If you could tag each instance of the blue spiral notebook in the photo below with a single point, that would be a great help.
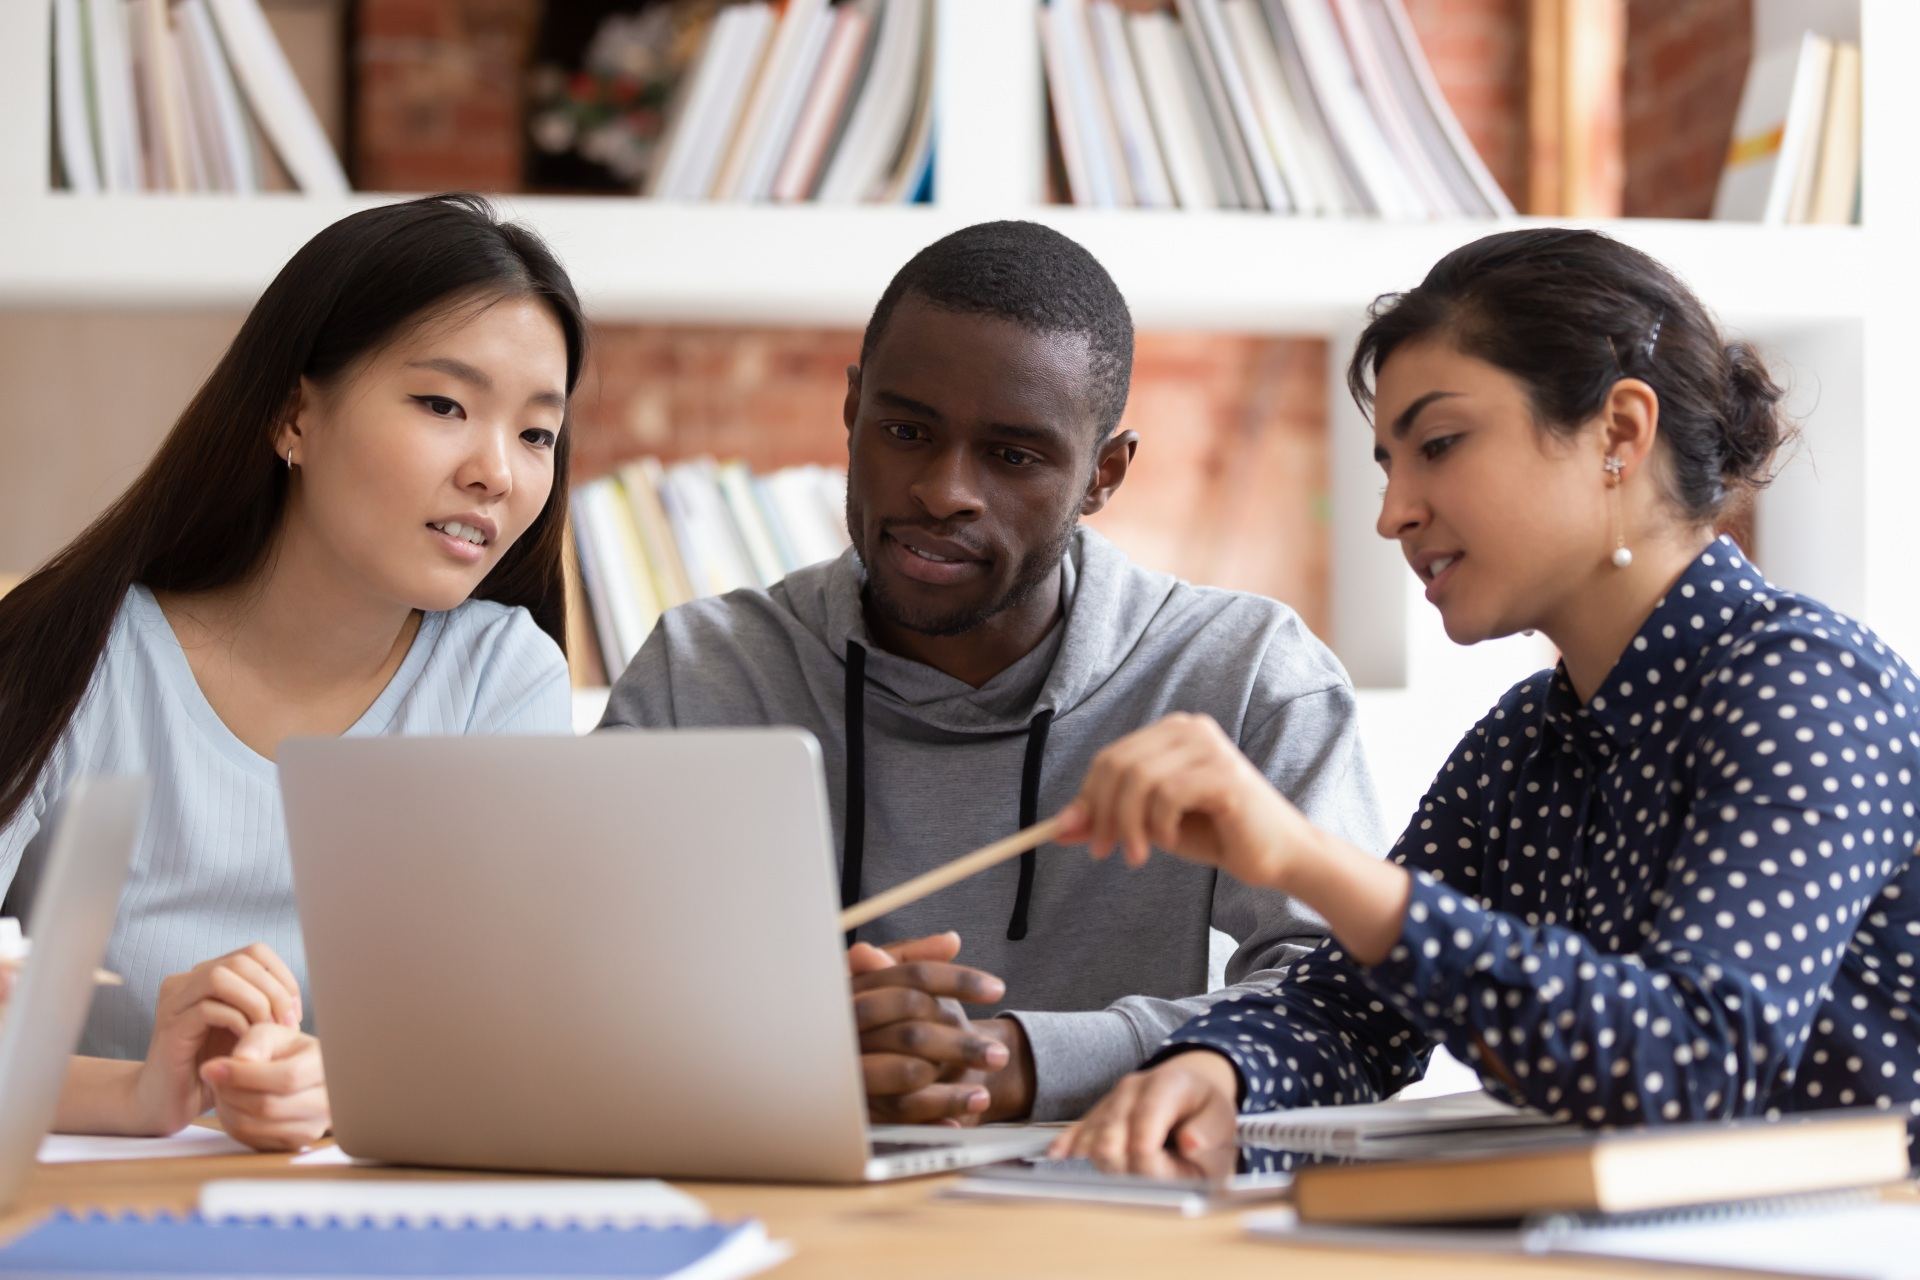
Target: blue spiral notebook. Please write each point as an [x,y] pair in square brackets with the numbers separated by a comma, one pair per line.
[190,1245]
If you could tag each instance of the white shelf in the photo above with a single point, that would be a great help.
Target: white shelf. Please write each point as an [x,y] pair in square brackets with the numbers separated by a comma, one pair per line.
[646,261]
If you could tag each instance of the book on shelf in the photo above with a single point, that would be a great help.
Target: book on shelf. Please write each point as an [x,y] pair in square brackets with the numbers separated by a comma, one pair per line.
[1621,1171]
[707,105]
[1795,154]
[583,648]
[1274,107]
[774,105]
[880,128]
[72,127]
[1146,167]
[1836,179]
[156,70]
[180,96]
[1290,106]
[804,100]
[1196,169]
[821,107]
[653,535]
[1254,176]
[1576,128]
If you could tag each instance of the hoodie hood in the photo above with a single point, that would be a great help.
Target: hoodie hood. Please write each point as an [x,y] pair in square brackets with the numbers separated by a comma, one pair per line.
[1053,677]
[1107,605]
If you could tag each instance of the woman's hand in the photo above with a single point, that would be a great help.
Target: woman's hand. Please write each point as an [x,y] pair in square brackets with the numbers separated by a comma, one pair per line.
[1183,785]
[203,1015]
[1186,1103]
[271,1091]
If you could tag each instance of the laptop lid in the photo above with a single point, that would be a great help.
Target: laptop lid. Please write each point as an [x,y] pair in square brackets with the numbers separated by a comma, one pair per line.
[610,954]
[94,831]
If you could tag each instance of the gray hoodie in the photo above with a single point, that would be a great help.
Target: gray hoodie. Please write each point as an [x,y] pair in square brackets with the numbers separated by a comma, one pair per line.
[1101,963]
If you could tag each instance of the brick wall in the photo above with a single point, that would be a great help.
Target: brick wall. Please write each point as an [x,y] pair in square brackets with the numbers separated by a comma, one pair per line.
[1686,63]
[440,85]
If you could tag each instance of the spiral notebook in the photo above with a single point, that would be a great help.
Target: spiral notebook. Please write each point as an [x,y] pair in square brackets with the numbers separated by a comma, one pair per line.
[1396,1129]
[316,1230]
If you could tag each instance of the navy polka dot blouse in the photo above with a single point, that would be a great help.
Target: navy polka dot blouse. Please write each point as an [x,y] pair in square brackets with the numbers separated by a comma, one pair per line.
[1695,896]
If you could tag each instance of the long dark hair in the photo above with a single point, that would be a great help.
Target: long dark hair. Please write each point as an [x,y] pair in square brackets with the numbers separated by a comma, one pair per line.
[1569,313]
[204,512]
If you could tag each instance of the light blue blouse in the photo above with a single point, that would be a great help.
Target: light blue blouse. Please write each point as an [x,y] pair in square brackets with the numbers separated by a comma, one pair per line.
[211,871]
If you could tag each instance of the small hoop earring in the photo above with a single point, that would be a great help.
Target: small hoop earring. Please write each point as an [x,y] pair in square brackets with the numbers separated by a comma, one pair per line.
[289,457]
[1622,556]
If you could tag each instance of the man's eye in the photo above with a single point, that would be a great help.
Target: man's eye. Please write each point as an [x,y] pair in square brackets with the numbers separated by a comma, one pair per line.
[904,431]
[1018,457]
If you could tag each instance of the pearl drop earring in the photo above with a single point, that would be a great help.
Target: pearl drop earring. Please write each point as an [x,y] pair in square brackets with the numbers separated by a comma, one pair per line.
[1622,557]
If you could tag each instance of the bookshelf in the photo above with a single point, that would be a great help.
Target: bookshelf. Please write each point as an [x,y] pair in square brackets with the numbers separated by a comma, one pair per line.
[1832,304]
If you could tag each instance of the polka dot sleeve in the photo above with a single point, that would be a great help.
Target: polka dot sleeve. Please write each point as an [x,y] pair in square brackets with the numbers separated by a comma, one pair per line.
[1782,849]
[1693,895]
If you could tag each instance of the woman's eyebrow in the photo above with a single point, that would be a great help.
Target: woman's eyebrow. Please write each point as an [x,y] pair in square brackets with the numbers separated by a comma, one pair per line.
[1404,423]
[455,369]
[478,378]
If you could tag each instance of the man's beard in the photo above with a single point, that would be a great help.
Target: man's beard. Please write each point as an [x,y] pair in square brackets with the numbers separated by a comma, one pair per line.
[1034,570]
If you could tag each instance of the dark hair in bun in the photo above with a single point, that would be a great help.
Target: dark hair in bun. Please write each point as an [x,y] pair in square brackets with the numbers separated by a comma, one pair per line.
[1569,313]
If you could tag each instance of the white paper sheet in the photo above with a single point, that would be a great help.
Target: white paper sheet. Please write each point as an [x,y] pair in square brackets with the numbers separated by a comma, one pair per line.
[194,1140]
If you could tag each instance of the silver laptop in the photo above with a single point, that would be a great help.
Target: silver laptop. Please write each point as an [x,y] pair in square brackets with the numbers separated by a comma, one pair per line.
[94,830]
[612,954]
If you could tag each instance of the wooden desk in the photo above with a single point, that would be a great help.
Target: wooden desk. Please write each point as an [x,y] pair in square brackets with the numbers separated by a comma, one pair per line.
[899,1231]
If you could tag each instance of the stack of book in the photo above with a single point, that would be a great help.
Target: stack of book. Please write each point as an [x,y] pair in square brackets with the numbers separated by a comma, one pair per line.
[824,102]
[1807,1194]
[652,536]
[1298,106]
[180,95]
[1795,155]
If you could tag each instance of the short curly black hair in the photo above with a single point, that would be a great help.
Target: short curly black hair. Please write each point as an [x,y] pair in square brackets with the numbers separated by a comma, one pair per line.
[1035,277]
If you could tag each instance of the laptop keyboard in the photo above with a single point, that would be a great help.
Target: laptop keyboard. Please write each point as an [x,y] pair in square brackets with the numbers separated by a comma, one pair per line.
[881,1150]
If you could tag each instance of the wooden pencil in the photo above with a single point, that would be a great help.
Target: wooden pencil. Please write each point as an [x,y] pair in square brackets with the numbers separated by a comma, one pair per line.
[951,873]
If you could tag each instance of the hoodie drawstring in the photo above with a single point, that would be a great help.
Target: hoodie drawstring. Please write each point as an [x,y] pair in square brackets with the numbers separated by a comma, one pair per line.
[854,843]
[1029,810]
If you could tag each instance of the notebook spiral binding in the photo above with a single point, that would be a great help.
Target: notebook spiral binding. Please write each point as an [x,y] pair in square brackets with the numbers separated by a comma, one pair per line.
[1550,1227]
[370,1222]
